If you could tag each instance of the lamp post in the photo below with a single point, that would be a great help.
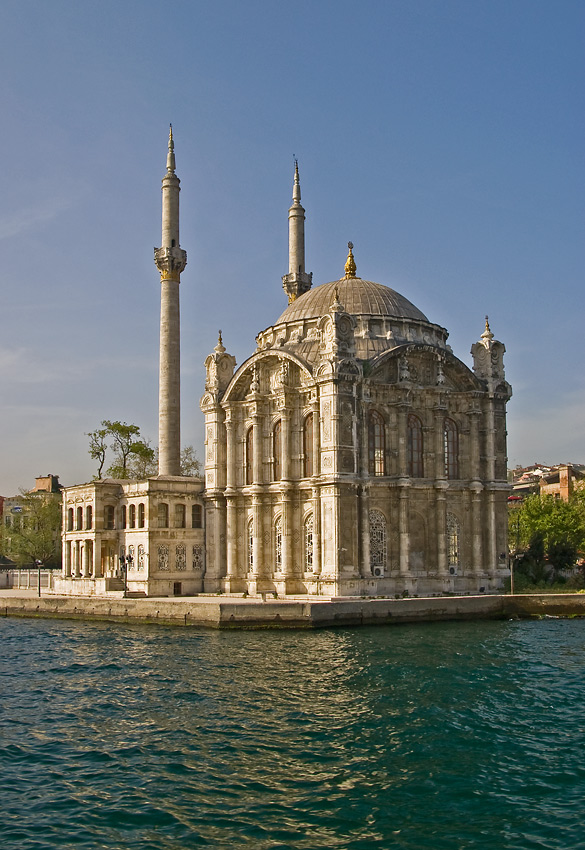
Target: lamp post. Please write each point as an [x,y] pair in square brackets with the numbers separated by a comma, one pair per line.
[38,565]
[126,562]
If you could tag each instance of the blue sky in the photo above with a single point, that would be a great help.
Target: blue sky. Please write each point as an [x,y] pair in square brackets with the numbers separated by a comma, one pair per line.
[445,138]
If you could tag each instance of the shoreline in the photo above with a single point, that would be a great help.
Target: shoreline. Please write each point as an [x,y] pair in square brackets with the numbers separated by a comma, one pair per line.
[298,613]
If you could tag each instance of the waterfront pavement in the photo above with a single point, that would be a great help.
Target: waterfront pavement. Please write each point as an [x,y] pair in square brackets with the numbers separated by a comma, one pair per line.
[225,612]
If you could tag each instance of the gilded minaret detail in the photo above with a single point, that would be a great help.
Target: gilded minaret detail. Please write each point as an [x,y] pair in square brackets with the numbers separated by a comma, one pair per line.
[297,281]
[170,260]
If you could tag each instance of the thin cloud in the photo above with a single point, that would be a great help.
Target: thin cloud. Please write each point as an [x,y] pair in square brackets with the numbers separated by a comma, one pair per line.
[30,217]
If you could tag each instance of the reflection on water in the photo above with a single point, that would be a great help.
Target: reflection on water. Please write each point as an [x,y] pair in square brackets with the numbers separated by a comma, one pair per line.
[448,735]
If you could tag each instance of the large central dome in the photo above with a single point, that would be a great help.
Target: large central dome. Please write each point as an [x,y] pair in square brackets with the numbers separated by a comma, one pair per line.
[358,297]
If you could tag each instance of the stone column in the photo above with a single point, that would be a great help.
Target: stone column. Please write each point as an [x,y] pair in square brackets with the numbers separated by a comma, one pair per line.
[403,525]
[316,531]
[67,559]
[441,520]
[232,532]
[86,562]
[77,550]
[97,558]
[476,529]
[287,551]
[257,437]
[365,567]
[285,458]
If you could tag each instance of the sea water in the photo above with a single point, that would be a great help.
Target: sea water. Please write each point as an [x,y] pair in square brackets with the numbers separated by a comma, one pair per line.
[444,735]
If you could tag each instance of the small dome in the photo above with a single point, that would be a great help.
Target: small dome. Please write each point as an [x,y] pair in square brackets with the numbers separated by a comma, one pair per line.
[358,297]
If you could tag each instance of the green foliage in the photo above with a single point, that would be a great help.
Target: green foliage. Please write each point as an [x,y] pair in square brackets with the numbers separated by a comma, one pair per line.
[35,534]
[555,520]
[133,457]
[190,465]
[547,535]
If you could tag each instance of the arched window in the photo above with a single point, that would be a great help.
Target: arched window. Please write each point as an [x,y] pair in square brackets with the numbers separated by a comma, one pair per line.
[377,542]
[251,545]
[109,517]
[309,543]
[308,459]
[250,456]
[376,444]
[277,450]
[415,447]
[453,539]
[196,516]
[70,519]
[79,524]
[180,521]
[278,544]
[163,515]
[141,515]
[89,516]
[123,516]
[132,516]
[451,443]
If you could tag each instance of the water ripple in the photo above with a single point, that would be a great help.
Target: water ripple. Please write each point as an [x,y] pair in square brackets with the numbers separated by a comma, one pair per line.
[437,736]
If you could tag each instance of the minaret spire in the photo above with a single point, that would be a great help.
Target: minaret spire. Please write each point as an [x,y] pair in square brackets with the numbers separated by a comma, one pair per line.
[297,281]
[170,260]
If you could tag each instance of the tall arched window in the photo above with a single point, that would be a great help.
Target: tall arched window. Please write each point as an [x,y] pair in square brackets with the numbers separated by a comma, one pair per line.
[109,517]
[377,542]
[453,539]
[278,544]
[132,516]
[308,459]
[123,516]
[415,447]
[309,543]
[376,444]
[89,516]
[277,450]
[163,515]
[250,456]
[196,516]
[79,524]
[180,521]
[141,515]
[451,443]
[70,519]
[251,545]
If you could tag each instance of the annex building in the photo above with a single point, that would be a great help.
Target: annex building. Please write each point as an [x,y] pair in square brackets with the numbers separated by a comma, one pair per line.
[352,454]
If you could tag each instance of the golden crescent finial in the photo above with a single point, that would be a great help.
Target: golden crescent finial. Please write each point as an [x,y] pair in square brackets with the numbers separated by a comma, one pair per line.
[350,266]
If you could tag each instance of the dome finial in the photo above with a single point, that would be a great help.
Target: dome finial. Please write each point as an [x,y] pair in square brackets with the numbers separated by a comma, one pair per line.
[487,334]
[350,266]
[220,348]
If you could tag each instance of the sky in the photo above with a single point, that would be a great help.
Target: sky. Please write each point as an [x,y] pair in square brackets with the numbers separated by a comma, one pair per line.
[444,138]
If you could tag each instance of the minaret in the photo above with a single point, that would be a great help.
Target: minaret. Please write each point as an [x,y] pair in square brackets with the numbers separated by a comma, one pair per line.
[170,260]
[297,280]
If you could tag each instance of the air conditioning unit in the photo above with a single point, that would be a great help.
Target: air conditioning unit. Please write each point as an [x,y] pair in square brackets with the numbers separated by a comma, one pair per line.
[378,572]
[453,571]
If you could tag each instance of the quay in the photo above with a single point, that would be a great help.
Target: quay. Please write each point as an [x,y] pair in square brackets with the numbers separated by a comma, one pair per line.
[237,612]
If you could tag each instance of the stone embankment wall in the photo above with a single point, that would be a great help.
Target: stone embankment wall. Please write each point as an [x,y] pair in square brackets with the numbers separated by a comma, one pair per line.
[222,613]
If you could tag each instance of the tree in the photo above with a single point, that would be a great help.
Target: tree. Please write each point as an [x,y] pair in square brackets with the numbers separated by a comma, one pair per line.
[35,534]
[550,531]
[98,447]
[190,464]
[126,441]
[134,458]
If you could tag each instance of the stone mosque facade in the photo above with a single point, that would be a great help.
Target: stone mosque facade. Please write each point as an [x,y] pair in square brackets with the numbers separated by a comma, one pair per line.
[353,454]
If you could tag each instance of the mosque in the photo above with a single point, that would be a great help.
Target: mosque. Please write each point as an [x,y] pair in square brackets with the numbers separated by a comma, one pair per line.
[352,454]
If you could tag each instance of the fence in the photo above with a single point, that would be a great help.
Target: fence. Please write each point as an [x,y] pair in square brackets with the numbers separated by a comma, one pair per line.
[28,578]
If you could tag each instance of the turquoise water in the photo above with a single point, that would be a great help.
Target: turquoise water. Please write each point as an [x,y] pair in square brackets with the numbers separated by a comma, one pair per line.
[449,735]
